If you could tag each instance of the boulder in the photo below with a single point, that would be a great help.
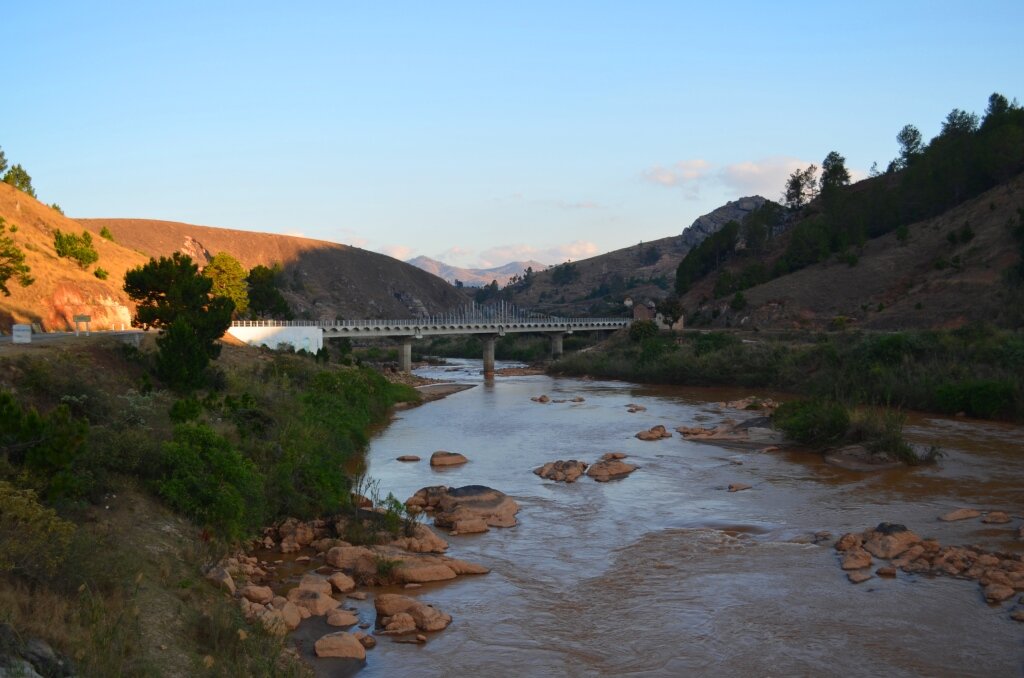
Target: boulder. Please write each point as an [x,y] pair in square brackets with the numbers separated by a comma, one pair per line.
[357,559]
[997,593]
[860,458]
[1017,614]
[415,571]
[429,618]
[219,576]
[342,645]
[315,602]
[423,540]
[737,487]
[470,526]
[849,541]
[340,617]
[889,540]
[655,433]
[316,582]
[609,456]
[367,641]
[610,469]
[442,458]
[960,514]
[886,571]
[392,610]
[390,604]
[398,624]
[291,615]
[451,505]
[996,518]
[257,594]
[562,471]
[341,582]
[541,399]
[858,576]
[856,559]
[633,408]
[408,457]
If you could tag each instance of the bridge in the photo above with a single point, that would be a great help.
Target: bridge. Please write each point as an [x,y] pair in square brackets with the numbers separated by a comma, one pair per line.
[490,321]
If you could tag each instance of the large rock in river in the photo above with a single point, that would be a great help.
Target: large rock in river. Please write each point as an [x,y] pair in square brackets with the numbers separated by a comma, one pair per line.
[889,540]
[609,469]
[442,458]
[468,503]
[343,645]
[562,471]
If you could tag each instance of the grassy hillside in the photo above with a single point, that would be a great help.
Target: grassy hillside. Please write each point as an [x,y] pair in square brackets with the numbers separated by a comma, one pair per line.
[324,280]
[62,289]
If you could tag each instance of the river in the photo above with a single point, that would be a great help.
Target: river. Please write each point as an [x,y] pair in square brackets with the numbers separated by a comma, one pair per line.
[665,573]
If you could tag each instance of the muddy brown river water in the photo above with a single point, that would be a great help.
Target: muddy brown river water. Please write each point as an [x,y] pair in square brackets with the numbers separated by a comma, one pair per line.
[665,573]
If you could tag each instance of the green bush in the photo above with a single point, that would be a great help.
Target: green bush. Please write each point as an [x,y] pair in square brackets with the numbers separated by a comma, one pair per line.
[106,234]
[182,359]
[35,540]
[985,398]
[642,329]
[211,482]
[78,248]
[185,410]
[101,273]
[813,422]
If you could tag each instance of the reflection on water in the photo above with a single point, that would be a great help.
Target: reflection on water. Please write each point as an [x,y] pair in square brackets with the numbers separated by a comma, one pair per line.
[664,572]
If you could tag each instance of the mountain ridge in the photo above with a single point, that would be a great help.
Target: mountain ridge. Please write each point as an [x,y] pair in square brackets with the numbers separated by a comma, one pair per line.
[474,277]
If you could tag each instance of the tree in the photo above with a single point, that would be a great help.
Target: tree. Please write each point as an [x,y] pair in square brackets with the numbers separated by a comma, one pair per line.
[12,262]
[998,106]
[833,172]
[265,297]
[229,280]
[78,248]
[20,179]
[3,161]
[801,187]
[958,122]
[911,145]
[171,295]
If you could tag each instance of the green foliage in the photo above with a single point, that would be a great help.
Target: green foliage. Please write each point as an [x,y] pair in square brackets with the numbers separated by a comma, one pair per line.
[171,295]
[564,274]
[56,208]
[20,179]
[801,187]
[12,261]
[78,248]
[229,280]
[106,234]
[210,481]
[642,329]
[185,410]
[265,299]
[902,234]
[101,273]
[3,162]
[985,398]
[739,302]
[880,430]
[812,422]
[35,540]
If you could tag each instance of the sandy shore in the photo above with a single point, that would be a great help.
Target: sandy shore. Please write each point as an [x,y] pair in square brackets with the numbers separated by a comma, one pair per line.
[437,391]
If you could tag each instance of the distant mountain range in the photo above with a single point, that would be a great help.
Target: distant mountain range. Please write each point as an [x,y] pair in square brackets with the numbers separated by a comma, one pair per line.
[475,277]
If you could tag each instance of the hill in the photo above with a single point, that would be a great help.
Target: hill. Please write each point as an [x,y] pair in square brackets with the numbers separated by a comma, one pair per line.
[598,285]
[475,277]
[323,280]
[62,289]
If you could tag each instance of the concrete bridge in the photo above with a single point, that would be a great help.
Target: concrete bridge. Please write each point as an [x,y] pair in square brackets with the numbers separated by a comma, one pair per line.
[490,322]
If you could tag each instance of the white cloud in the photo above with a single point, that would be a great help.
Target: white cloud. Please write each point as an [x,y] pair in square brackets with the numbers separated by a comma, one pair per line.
[679,173]
[555,254]
[453,255]
[766,176]
[400,252]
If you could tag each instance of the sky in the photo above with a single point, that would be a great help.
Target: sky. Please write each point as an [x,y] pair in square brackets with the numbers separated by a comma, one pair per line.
[475,133]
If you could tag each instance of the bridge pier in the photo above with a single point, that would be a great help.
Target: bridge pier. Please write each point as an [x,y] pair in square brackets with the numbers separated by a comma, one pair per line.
[556,345]
[489,355]
[405,355]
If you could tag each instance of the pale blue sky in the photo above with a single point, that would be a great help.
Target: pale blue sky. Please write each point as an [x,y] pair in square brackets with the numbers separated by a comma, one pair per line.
[516,129]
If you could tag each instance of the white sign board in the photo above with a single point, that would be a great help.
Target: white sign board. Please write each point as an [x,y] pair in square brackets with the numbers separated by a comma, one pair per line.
[21,334]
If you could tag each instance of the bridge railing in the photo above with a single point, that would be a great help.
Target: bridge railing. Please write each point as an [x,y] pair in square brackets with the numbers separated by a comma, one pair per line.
[428,322]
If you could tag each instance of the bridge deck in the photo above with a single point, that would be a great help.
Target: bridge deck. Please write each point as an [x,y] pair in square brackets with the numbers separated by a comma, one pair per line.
[433,326]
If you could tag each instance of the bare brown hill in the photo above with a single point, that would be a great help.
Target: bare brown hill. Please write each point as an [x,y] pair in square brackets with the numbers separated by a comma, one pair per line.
[324,280]
[62,289]
[929,281]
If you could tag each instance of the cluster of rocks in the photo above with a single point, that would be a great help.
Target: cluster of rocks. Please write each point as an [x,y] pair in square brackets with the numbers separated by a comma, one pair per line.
[754,432]
[654,433]
[764,405]
[1001,575]
[465,510]
[633,408]
[544,399]
[30,658]
[609,467]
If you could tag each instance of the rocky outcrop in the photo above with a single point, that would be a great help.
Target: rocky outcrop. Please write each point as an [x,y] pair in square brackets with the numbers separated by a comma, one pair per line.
[610,469]
[408,457]
[562,471]
[422,540]
[764,405]
[960,514]
[655,433]
[450,506]
[756,432]
[712,222]
[342,645]
[860,458]
[442,458]
[543,399]
[398,614]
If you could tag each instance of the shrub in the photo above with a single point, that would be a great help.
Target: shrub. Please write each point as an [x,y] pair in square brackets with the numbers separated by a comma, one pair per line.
[739,302]
[210,481]
[35,540]
[78,248]
[642,329]
[709,342]
[185,409]
[101,273]
[813,422]
[985,398]
[182,359]
[881,431]
[106,234]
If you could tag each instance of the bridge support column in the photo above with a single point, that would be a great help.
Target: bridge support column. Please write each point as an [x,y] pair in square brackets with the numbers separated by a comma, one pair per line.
[405,355]
[489,356]
[556,345]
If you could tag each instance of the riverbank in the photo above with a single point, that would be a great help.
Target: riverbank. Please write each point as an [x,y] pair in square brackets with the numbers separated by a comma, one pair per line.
[976,371]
